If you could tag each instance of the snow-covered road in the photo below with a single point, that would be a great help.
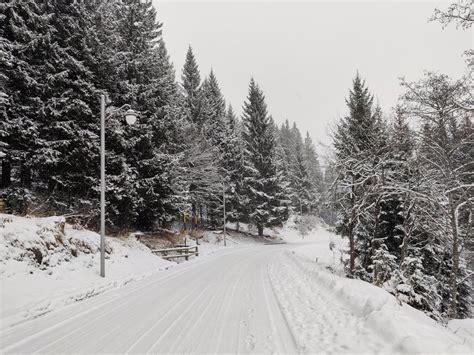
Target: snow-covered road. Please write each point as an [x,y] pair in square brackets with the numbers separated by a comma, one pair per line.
[246,299]
[224,303]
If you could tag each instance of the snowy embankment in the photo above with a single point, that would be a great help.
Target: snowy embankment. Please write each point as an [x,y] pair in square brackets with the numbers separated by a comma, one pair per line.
[46,263]
[320,305]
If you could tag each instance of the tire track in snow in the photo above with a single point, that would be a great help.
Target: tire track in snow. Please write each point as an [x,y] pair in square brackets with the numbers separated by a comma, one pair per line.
[279,307]
[206,311]
[97,307]
[321,323]
[226,307]
[116,309]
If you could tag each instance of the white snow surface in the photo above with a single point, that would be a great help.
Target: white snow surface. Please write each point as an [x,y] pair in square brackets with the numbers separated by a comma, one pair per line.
[246,297]
[29,290]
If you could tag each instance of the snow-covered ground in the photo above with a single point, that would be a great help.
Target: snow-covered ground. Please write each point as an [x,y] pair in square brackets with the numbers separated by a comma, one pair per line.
[69,267]
[343,310]
[246,297]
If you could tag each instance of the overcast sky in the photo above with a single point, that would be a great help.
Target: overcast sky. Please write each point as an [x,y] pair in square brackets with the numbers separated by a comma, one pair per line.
[305,54]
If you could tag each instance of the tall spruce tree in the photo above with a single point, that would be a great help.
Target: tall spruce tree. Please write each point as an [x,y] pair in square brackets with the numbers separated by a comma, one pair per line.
[315,174]
[191,82]
[214,131]
[213,111]
[263,192]
[355,141]
[300,175]
[24,35]
[232,162]
[68,123]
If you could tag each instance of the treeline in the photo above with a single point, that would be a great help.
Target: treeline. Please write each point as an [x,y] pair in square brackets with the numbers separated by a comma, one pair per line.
[403,187]
[188,146]
[403,193]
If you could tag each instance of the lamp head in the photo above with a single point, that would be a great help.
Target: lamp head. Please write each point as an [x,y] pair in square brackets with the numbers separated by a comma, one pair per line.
[130,116]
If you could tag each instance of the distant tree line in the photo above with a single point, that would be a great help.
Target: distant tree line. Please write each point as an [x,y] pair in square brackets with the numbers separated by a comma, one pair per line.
[187,148]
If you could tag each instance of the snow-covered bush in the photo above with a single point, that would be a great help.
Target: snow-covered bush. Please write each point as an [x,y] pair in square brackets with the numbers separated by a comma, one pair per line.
[416,288]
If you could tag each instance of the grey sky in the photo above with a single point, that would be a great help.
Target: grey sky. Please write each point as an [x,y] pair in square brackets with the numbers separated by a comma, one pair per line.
[305,54]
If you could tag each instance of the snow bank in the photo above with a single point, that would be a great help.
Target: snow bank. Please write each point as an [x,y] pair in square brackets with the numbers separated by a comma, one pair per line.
[318,244]
[46,263]
[464,328]
[306,274]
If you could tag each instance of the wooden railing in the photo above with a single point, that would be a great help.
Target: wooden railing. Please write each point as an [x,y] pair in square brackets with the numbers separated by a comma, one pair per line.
[182,252]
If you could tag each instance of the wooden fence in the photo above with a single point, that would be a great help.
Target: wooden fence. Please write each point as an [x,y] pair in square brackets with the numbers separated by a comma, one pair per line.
[178,252]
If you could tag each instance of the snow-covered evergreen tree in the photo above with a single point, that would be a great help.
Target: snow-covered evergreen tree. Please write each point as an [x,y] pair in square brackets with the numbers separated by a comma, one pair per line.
[315,174]
[191,82]
[213,110]
[24,35]
[301,182]
[263,191]
[232,152]
[355,142]
[445,159]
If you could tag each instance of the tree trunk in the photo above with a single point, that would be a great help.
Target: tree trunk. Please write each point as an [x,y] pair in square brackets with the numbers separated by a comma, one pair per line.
[351,231]
[454,285]
[25,175]
[200,215]
[407,229]
[6,173]
[260,230]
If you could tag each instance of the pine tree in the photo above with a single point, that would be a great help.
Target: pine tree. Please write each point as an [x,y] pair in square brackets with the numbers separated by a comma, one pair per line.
[232,163]
[300,176]
[214,131]
[355,141]
[67,120]
[191,79]
[213,111]
[315,174]
[24,35]
[149,75]
[285,159]
[261,178]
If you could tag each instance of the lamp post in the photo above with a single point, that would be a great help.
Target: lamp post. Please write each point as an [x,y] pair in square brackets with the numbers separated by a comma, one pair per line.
[130,118]
[223,198]
[225,214]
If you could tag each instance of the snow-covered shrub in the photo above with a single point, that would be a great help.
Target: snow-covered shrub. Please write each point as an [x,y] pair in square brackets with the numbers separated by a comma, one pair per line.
[415,287]
[19,200]
[383,265]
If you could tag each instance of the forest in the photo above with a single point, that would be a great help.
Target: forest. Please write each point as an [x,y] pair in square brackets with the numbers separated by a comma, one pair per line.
[397,184]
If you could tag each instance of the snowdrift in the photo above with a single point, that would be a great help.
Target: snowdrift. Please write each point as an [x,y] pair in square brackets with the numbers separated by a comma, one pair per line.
[408,329]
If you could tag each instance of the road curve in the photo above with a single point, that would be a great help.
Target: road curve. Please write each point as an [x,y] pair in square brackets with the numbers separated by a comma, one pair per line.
[224,303]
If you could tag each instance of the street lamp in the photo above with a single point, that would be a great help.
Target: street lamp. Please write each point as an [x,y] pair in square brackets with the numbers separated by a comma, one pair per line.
[223,200]
[225,214]
[130,118]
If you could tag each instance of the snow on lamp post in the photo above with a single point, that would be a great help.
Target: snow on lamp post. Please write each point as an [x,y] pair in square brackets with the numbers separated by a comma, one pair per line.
[130,118]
